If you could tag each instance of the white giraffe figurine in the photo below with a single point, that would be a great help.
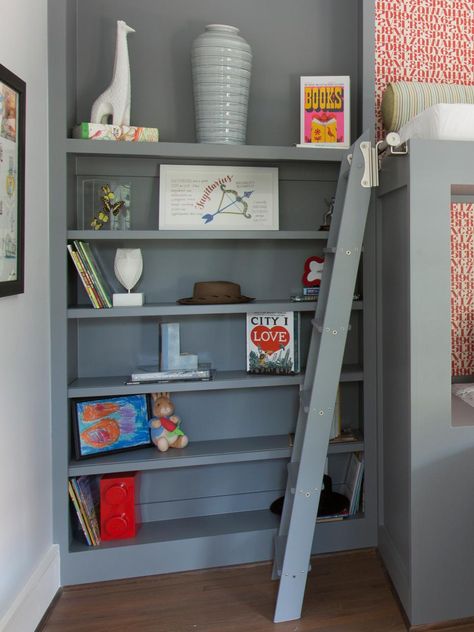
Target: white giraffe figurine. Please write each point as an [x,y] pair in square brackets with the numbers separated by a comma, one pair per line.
[115,100]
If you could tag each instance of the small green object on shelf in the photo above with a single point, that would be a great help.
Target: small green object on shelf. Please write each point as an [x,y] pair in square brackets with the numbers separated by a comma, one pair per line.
[109,205]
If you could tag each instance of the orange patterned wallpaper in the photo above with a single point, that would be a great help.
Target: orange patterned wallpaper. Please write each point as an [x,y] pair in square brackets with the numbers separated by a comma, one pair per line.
[462,288]
[433,41]
[423,40]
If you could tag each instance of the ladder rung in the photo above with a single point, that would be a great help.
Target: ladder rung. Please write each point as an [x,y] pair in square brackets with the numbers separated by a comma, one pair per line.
[335,330]
[318,326]
[293,475]
[305,399]
[280,547]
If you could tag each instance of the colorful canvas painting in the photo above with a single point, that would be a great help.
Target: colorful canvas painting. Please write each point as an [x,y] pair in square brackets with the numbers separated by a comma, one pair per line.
[12,150]
[110,424]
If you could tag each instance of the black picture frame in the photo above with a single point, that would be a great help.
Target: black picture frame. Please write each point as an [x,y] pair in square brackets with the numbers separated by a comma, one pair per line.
[106,425]
[12,179]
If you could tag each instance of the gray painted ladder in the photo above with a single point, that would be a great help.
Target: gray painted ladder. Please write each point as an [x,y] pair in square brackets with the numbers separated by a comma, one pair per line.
[318,395]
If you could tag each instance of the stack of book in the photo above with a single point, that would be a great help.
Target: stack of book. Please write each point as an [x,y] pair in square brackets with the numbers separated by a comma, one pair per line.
[97,288]
[307,294]
[100,131]
[351,488]
[84,494]
[352,485]
[146,374]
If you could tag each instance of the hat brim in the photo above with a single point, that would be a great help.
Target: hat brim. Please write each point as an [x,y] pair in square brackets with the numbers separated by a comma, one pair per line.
[215,300]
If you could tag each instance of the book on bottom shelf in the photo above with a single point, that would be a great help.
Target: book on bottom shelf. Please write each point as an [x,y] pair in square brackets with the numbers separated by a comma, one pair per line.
[273,343]
[80,520]
[84,493]
[336,425]
[352,484]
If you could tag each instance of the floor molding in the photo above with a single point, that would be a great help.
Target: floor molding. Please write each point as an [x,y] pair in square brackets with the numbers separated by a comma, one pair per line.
[32,602]
[462,624]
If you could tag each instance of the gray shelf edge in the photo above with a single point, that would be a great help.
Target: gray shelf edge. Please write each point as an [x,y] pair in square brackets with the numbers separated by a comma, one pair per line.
[224,451]
[174,309]
[143,235]
[203,151]
[202,527]
[124,462]
[189,529]
[148,535]
[347,447]
[224,380]
[119,385]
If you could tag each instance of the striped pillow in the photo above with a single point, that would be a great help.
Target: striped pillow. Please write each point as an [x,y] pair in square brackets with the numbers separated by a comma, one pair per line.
[403,100]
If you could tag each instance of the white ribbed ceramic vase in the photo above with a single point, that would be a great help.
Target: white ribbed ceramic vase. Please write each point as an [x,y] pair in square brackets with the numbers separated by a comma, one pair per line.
[221,65]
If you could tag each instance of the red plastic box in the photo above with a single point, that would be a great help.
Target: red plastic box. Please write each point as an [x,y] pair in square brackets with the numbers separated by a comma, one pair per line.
[117,506]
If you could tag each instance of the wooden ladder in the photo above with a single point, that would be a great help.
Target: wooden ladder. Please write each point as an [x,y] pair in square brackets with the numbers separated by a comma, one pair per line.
[318,394]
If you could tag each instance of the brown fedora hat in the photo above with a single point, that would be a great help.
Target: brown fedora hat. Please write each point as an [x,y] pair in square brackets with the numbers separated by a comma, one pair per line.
[215,292]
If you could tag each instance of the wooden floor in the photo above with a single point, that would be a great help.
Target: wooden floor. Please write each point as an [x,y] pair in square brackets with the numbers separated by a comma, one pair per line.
[346,592]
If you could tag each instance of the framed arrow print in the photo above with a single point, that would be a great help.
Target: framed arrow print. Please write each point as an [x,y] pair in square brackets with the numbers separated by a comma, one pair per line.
[199,197]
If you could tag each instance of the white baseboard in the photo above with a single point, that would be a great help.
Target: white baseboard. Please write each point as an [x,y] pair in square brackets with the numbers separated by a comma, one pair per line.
[33,600]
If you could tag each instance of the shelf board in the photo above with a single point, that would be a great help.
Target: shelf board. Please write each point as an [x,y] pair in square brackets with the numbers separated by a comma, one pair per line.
[218,451]
[201,527]
[163,531]
[344,447]
[175,309]
[203,151]
[143,235]
[119,385]
[198,453]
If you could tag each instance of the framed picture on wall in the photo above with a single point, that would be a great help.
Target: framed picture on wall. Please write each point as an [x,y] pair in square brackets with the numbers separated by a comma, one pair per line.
[12,182]
[110,424]
[325,112]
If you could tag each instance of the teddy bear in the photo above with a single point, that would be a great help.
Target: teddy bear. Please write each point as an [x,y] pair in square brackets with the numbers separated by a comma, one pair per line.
[164,425]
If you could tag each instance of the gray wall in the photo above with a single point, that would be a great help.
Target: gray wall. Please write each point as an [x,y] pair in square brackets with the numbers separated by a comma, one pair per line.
[25,449]
[306,38]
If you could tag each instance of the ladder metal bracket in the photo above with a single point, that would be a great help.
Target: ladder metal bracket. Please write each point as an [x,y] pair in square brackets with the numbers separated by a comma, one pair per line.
[344,249]
[371,165]
[334,331]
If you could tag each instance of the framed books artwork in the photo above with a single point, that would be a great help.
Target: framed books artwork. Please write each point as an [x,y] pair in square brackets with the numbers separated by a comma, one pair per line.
[110,424]
[198,197]
[325,112]
[12,182]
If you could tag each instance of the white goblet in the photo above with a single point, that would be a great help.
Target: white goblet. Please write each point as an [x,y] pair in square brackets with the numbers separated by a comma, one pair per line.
[128,268]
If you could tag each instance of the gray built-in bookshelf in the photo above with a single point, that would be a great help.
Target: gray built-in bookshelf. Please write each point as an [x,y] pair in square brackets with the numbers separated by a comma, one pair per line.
[207,505]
